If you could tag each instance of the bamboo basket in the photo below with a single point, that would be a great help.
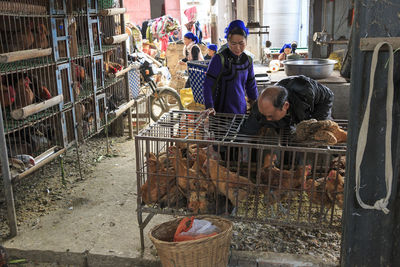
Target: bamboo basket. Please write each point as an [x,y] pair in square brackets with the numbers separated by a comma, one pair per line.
[205,252]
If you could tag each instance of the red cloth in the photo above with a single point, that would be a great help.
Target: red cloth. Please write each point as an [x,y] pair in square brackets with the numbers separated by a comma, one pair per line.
[191,13]
[164,43]
[205,31]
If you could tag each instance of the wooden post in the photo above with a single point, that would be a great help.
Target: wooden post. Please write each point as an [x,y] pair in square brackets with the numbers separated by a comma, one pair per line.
[127,91]
[371,237]
[315,22]
[8,191]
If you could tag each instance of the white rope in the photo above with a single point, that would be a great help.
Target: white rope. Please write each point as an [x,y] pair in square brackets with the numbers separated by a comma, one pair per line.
[380,204]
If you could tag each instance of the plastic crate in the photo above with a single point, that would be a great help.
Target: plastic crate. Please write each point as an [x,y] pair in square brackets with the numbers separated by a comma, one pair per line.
[134,83]
[197,73]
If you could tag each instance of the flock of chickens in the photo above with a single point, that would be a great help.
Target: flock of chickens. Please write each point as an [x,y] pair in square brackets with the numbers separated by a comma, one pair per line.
[192,177]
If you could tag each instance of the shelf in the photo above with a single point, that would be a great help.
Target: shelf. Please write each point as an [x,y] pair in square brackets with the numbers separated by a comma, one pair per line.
[111,81]
[83,51]
[106,48]
[25,65]
[11,125]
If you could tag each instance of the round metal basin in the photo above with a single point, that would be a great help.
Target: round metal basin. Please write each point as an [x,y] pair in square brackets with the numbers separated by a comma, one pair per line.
[315,68]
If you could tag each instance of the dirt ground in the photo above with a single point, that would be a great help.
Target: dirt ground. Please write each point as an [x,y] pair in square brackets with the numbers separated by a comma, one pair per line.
[44,203]
[45,191]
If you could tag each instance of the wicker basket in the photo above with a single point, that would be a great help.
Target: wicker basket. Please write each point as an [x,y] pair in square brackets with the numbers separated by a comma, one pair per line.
[205,252]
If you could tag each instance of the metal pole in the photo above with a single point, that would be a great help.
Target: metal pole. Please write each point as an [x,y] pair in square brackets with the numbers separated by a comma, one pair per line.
[125,57]
[8,191]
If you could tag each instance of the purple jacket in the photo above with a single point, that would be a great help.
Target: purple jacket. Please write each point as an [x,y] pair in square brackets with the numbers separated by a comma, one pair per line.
[236,82]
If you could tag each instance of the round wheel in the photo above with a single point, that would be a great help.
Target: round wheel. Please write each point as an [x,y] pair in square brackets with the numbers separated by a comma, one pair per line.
[164,101]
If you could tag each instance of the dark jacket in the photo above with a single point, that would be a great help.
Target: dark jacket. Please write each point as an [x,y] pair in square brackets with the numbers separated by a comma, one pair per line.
[307,99]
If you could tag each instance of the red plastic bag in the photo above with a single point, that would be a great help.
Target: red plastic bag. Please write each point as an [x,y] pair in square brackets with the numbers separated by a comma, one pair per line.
[184,226]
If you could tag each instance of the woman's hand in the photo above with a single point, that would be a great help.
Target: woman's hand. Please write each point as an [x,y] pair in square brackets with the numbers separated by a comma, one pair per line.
[182,63]
[207,112]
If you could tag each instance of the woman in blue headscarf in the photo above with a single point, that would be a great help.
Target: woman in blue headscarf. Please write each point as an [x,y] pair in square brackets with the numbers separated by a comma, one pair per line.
[285,50]
[191,50]
[211,50]
[230,74]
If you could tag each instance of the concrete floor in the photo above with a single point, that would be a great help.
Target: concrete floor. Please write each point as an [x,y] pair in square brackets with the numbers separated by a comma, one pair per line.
[100,226]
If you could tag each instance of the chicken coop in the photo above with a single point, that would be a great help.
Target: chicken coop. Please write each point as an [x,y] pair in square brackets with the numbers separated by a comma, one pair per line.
[188,163]
[64,78]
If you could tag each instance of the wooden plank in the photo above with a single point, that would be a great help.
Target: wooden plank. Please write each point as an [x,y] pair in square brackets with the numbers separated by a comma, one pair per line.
[121,72]
[116,39]
[39,165]
[24,54]
[368,44]
[24,112]
[112,11]
[121,109]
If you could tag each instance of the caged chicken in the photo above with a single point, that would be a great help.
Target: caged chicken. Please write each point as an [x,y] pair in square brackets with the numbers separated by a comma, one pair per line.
[160,180]
[326,191]
[197,188]
[279,182]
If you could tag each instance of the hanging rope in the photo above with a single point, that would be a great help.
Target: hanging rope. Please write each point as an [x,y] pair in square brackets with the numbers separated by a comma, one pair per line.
[380,204]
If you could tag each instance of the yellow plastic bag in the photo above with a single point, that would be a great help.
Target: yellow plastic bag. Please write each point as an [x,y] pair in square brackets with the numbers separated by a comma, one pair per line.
[188,100]
[186,96]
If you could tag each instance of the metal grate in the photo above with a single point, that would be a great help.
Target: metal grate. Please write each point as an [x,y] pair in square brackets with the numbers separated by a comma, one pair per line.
[190,164]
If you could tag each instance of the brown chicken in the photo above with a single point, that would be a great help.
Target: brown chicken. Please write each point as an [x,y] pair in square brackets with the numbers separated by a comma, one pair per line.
[78,72]
[159,180]
[280,182]
[339,164]
[198,202]
[24,95]
[230,184]
[335,188]
[7,95]
[40,36]
[326,191]
[196,181]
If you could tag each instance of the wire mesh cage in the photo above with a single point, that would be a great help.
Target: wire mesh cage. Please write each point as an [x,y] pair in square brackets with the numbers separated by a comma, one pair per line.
[190,164]
[197,73]
[141,114]
[28,7]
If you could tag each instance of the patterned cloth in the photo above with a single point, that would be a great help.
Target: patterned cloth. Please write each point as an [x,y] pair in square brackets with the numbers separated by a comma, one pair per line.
[134,83]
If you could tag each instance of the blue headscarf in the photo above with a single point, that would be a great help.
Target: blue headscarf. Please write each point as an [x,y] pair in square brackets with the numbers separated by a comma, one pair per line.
[285,46]
[213,47]
[236,24]
[192,37]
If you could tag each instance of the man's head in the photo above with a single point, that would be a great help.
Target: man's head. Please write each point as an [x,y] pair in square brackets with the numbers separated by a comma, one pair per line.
[273,103]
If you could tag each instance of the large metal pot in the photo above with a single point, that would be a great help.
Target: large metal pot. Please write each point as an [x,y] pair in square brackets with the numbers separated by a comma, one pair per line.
[315,68]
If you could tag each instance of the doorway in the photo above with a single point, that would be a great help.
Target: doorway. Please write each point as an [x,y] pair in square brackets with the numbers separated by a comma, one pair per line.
[157,8]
